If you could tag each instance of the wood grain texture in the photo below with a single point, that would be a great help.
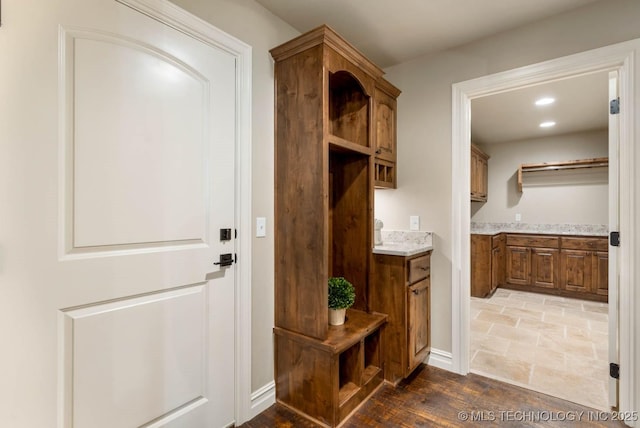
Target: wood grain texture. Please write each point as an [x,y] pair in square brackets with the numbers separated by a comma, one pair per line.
[544,267]
[559,265]
[408,330]
[434,398]
[301,194]
[479,174]
[351,214]
[326,380]
[480,265]
[419,323]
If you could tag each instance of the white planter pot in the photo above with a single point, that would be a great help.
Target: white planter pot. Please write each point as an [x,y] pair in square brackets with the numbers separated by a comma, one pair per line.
[336,316]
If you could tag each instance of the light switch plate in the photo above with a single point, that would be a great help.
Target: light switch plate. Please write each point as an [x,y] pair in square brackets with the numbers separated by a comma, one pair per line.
[414,222]
[518,217]
[261,227]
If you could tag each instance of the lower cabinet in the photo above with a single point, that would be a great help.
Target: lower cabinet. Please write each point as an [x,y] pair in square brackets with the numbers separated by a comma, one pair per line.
[584,266]
[570,266]
[401,288]
[487,264]
[418,304]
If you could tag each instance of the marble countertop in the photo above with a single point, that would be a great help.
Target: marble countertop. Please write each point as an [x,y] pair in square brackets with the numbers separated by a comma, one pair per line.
[404,243]
[549,229]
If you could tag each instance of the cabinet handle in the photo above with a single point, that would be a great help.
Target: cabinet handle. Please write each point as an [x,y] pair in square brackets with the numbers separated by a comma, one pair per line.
[378,151]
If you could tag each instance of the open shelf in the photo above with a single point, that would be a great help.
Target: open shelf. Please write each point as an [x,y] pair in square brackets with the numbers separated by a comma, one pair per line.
[384,174]
[559,166]
[349,249]
[348,108]
[341,145]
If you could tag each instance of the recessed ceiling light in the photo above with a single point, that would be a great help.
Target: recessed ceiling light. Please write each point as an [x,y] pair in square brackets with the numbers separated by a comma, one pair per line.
[547,124]
[545,101]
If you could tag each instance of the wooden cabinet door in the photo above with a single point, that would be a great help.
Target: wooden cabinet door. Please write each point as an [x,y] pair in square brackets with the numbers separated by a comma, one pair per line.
[481,272]
[518,265]
[544,267]
[576,270]
[600,273]
[496,256]
[474,175]
[482,177]
[385,122]
[418,304]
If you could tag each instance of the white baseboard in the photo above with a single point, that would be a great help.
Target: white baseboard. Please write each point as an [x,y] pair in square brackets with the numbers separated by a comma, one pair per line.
[262,399]
[441,359]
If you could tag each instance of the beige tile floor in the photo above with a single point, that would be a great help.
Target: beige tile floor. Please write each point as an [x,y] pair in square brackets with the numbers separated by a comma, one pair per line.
[549,344]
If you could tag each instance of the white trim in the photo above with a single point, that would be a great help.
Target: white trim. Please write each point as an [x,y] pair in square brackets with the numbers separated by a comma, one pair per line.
[263,398]
[615,57]
[440,359]
[183,21]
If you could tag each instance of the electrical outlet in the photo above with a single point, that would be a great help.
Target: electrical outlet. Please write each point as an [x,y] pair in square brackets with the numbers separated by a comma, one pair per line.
[261,227]
[518,217]
[414,222]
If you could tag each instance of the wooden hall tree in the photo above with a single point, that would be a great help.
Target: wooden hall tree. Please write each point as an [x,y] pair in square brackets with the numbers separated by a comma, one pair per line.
[324,165]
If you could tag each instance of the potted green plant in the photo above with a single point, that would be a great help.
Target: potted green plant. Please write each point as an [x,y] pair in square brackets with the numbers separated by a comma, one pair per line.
[342,294]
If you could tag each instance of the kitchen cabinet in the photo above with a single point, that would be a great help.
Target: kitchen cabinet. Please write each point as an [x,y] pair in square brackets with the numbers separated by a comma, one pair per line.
[385,116]
[401,288]
[325,100]
[570,266]
[584,265]
[479,174]
[532,261]
[488,255]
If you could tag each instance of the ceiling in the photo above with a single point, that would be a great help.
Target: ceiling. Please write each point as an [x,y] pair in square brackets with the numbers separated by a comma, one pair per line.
[581,104]
[390,32]
[393,31]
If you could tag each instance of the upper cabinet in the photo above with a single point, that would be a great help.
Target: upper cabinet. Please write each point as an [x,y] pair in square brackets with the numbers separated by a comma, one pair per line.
[385,138]
[479,174]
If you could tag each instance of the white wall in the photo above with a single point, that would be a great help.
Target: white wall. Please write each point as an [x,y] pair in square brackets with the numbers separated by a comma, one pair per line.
[554,197]
[424,122]
[254,25]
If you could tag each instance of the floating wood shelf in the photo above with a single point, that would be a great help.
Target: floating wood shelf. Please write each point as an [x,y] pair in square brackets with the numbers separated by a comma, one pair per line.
[558,166]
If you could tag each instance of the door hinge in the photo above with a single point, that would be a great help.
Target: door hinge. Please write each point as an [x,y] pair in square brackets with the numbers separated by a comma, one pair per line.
[614,106]
[614,239]
[614,370]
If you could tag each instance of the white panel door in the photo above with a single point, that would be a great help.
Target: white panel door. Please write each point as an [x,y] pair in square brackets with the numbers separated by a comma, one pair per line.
[117,158]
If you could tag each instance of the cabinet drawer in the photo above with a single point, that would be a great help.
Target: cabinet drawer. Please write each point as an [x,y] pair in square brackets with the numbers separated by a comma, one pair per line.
[418,268]
[597,244]
[533,241]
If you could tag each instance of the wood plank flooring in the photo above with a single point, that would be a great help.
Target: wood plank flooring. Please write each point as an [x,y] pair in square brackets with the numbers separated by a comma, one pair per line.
[432,397]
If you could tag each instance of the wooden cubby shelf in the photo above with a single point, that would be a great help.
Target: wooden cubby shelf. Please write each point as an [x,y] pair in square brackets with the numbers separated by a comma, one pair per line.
[560,166]
[350,357]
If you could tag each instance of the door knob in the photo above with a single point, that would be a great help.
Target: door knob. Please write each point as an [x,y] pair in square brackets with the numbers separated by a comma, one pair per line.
[225,260]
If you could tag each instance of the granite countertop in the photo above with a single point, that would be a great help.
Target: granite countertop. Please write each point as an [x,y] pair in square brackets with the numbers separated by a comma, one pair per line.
[404,243]
[548,229]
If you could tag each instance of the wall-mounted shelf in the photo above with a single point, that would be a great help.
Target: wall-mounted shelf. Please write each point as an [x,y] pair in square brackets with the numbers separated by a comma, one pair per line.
[559,166]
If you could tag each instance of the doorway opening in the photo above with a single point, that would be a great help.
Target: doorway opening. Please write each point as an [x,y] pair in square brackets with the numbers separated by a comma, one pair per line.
[613,58]
[539,313]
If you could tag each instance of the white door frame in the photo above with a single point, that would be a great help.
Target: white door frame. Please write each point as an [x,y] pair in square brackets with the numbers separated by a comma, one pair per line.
[176,17]
[618,57]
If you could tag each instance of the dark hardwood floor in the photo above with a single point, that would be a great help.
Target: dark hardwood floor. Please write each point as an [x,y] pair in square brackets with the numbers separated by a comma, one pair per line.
[432,397]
